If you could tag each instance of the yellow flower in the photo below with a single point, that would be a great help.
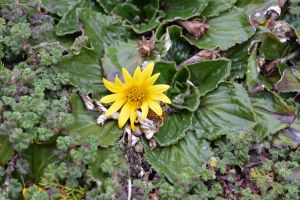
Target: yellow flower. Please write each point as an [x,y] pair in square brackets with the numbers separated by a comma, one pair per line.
[213,161]
[25,191]
[137,92]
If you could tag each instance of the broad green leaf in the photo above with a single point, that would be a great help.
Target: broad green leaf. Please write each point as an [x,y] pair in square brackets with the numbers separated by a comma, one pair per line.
[102,30]
[294,22]
[252,71]
[68,23]
[85,124]
[108,6]
[290,81]
[238,55]
[273,114]
[225,31]
[125,55]
[250,6]
[216,7]
[206,75]
[166,70]
[39,156]
[174,160]
[182,93]
[226,109]
[144,27]
[180,48]
[176,9]
[141,16]
[113,154]
[175,127]
[58,7]
[272,48]
[84,71]
[6,151]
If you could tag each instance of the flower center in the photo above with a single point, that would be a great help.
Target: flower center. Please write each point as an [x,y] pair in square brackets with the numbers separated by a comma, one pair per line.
[135,96]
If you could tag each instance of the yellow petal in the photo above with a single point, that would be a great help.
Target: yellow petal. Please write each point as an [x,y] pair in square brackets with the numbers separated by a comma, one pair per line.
[150,81]
[160,88]
[132,118]
[112,86]
[145,110]
[161,97]
[148,70]
[119,82]
[137,76]
[111,98]
[155,107]
[124,114]
[115,107]
[127,77]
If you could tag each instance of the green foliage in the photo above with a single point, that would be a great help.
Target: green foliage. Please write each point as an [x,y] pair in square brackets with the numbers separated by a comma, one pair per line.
[231,131]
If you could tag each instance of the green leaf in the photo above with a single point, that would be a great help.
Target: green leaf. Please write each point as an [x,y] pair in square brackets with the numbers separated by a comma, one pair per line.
[5,151]
[294,22]
[272,48]
[124,55]
[225,31]
[166,70]
[141,16]
[289,81]
[175,127]
[238,55]
[102,30]
[216,7]
[252,71]
[188,154]
[68,23]
[58,7]
[85,124]
[250,6]
[176,9]
[273,114]
[108,6]
[207,75]
[226,109]
[103,155]
[180,48]
[39,157]
[184,95]
[84,71]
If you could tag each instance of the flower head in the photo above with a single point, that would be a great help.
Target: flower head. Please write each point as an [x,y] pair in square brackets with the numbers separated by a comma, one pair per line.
[137,92]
